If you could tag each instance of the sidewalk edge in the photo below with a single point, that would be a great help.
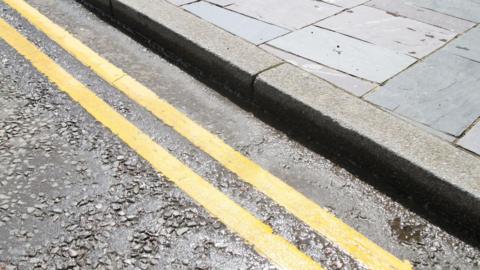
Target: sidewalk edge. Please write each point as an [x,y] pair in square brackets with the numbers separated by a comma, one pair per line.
[220,56]
[424,163]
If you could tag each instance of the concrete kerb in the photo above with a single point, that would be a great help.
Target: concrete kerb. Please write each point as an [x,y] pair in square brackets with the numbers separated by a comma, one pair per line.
[449,176]
[102,5]
[222,56]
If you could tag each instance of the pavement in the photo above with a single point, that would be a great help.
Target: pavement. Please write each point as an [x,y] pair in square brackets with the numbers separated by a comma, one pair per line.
[416,59]
[81,191]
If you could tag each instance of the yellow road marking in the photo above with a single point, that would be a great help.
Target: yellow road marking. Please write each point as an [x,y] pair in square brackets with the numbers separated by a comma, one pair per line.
[318,218]
[274,247]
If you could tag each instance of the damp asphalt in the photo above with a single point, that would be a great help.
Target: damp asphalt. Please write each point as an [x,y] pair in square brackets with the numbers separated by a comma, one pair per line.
[73,196]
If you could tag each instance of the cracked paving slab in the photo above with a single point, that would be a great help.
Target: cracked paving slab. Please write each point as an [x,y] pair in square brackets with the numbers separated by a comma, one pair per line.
[399,34]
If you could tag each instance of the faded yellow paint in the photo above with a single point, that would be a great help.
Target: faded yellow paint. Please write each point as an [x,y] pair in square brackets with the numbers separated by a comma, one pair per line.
[319,219]
[259,235]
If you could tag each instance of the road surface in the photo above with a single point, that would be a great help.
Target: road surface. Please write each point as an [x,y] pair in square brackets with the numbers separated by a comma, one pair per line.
[81,187]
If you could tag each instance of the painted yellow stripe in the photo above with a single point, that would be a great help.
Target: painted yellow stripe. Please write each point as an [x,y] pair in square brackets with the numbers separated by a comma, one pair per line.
[319,219]
[274,247]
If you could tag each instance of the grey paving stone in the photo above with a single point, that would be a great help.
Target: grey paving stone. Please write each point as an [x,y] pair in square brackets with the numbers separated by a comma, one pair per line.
[345,3]
[344,53]
[397,33]
[467,45]
[465,9]
[471,140]
[430,130]
[221,2]
[441,92]
[290,14]
[355,86]
[409,10]
[181,2]
[250,29]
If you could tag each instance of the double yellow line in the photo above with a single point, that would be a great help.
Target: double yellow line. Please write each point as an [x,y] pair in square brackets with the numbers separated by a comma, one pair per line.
[237,219]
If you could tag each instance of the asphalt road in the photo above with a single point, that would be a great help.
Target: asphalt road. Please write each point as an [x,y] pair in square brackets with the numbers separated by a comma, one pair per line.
[74,196]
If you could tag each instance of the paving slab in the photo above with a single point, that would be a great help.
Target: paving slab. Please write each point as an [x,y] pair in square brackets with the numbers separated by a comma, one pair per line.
[248,28]
[471,140]
[353,85]
[467,45]
[464,9]
[376,26]
[439,134]
[409,10]
[441,92]
[290,14]
[221,2]
[181,2]
[353,56]
[345,3]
